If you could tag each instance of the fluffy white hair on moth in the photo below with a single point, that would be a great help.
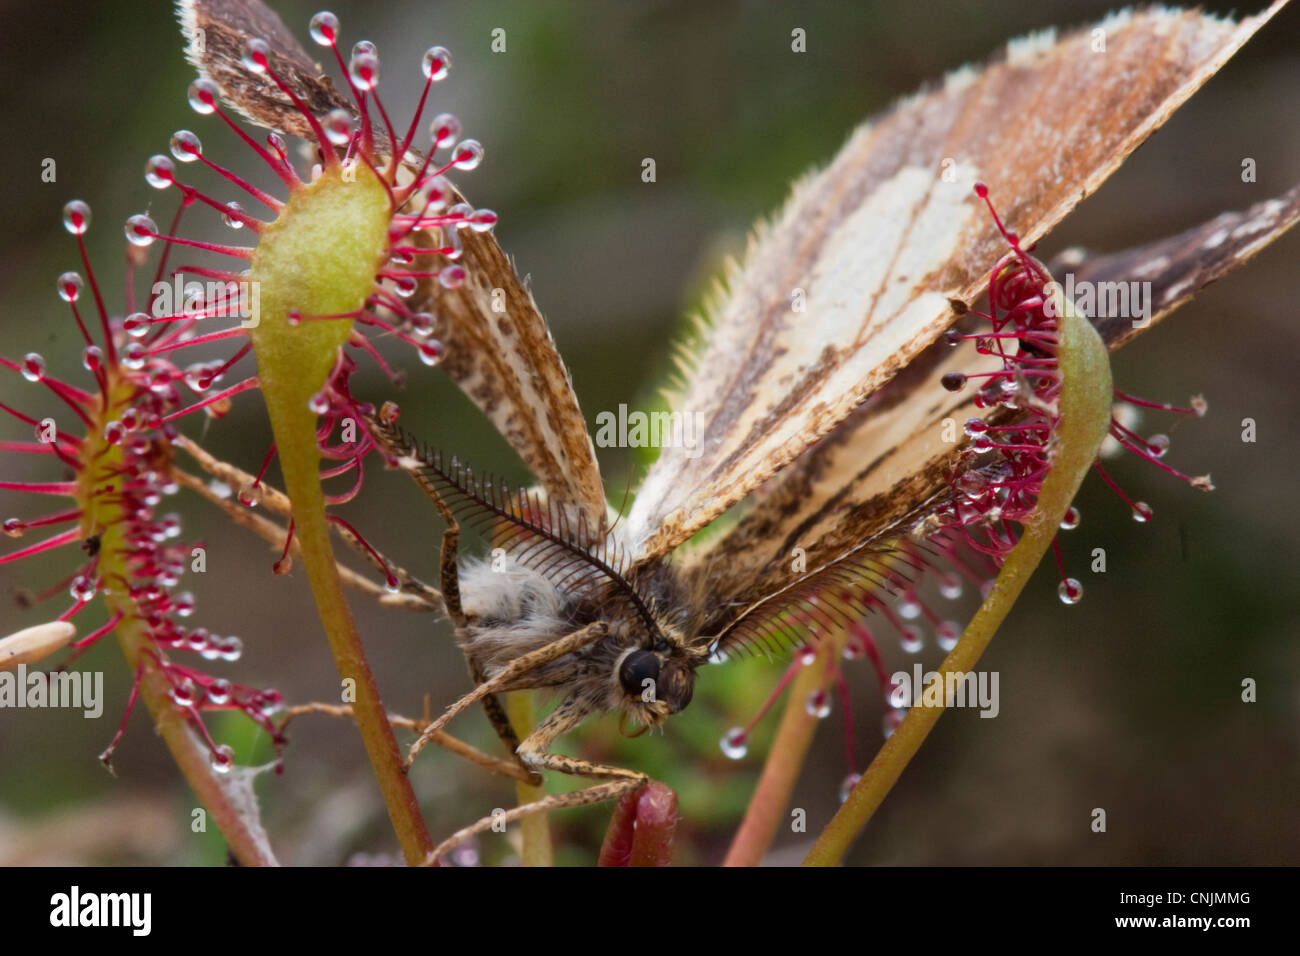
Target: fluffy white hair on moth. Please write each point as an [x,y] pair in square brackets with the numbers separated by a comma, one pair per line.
[512,610]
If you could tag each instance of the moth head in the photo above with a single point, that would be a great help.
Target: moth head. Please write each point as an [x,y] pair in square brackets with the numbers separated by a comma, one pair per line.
[655,682]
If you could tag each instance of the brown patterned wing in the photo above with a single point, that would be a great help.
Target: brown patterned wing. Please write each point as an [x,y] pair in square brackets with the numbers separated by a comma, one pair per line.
[885,467]
[505,361]
[874,246]
[1181,266]
[215,33]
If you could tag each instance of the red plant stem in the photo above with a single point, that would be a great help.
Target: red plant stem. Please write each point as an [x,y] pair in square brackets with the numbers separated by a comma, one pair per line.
[785,759]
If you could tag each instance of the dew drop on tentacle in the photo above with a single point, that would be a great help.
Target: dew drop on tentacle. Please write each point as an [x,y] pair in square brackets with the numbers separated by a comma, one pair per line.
[436,63]
[364,67]
[1070,520]
[319,403]
[33,367]
[422,324]
[912,640]
[324,28]
[76,217]
[230,220]
[953,381]
[468,153]
[231,649]
[1070,591]
[452,276]
[114,433]
[818,704]
[160,171]
[186,146]
[69,286]
[219,691]
[389,412]
[196,640]
[257,55]
[1142,512]
[453,245]
[276,144]
[948,633]
[223,758]
[250,494]
[431,352]
[136,325]
[83,588]
[134,356]
[92,358]
[202,96]
[444,129]
[735,743]
[184,695]
[338,126]
[140,230]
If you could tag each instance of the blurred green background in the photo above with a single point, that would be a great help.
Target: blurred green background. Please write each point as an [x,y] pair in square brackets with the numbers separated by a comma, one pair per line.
[1130,701]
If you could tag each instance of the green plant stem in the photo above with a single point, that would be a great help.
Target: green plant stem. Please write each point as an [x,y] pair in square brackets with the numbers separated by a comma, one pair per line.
[521,708]
[1085,417]
[319,258]
[312,530]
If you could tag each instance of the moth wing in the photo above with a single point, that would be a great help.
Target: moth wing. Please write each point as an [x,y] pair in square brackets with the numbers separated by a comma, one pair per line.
[216,32]
[1180,266]
[884,469]
[498,347]
[501,354]
[874,246]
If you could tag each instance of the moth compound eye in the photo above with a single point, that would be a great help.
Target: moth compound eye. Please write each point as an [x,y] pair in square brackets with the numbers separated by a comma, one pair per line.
[636,668]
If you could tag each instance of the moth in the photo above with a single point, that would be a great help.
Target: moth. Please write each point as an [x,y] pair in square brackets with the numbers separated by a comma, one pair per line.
[821,426]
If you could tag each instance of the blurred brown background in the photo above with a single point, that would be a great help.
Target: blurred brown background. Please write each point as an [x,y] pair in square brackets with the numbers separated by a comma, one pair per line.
[1130,701]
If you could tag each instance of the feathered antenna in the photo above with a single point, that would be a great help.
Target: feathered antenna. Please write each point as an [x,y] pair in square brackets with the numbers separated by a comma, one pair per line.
[830,598]
[570,553]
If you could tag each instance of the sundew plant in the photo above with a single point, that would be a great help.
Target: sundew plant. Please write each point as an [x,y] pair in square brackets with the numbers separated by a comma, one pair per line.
[701,561]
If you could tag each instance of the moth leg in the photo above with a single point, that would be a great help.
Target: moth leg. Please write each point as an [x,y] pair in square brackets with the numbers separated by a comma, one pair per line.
[535,754]
[500,722]
[555,801]
[403,451]
[450,570]
[510,674]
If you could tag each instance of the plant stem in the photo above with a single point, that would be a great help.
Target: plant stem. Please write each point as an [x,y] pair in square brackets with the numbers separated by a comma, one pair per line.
[784,762]
[244,835]
[319,258]
[312,529]
[1085,417]
[521,708]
